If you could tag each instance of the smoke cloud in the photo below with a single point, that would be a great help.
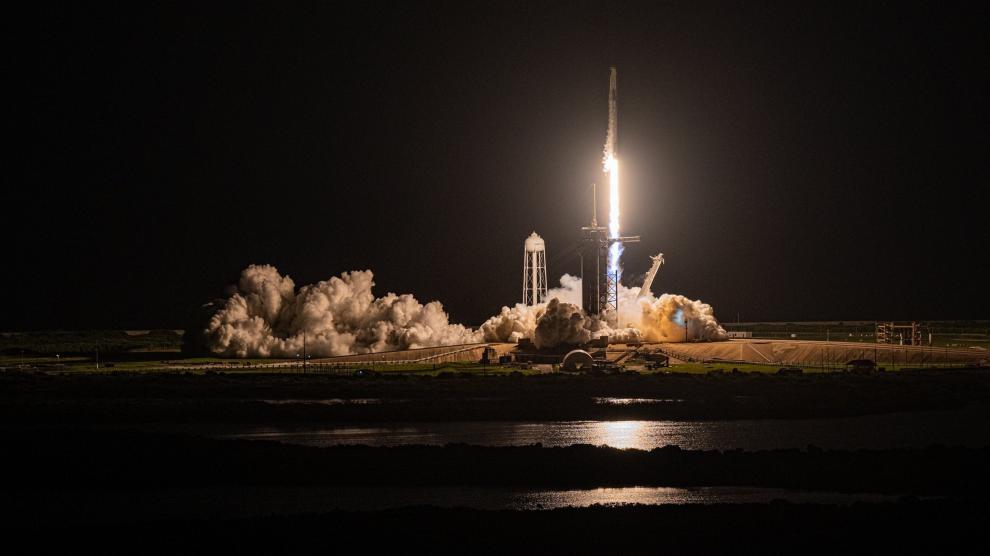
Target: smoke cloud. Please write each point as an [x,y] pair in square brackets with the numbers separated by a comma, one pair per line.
[658,319]
[268,316]
[562,323]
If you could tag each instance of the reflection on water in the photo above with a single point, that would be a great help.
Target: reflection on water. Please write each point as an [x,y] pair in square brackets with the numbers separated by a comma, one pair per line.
[233,502]
[895,430]
[666,495]
[621,434]
[634,401]
[329,401]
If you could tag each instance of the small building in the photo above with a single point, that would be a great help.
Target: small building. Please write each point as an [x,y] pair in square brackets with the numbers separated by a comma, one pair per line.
[578,360]
[861,366]
[655,360]
[490,356]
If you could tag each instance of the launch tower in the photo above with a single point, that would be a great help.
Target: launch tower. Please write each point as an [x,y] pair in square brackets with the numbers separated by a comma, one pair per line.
[599,286]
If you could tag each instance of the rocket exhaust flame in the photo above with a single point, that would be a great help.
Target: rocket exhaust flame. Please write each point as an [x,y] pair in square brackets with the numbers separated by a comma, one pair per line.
[615,250]
[611,167]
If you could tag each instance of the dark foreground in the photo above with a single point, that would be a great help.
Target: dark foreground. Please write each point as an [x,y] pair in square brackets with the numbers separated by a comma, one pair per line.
[137,398]
[143,461]
[941,506]
[909,526]
[85,442]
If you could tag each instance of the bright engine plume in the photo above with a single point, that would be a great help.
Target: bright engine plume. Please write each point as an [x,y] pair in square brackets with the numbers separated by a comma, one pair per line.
[611,167]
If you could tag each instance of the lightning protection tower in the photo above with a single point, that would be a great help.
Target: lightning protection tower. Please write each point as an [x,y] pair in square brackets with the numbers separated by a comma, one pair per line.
[534,270]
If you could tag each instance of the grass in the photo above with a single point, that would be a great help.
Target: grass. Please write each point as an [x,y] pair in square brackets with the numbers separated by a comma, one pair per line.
[703,368]
[173,361]
[944,333]
[167,361]
[87,342]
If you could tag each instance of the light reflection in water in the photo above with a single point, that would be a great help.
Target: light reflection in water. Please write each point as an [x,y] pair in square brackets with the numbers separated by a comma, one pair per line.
[636,401]
[667,495]
[328,401]
[239,502]
[620,434]
[964,427]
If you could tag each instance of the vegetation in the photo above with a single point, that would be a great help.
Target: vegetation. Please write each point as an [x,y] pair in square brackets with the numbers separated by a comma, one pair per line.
[72,343]
[944,333]
[911,525]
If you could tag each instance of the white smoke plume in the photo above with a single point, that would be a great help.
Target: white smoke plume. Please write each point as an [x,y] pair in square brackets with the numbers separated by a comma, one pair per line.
[562,323]
[267,316]
[675,318]
[648,318]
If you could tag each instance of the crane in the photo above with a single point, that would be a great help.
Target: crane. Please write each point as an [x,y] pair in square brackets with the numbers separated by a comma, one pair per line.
[651,274]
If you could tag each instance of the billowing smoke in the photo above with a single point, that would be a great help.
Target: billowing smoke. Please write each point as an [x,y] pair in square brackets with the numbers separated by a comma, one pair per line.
[675,318]
[268,316]
[562,323]
[648,318]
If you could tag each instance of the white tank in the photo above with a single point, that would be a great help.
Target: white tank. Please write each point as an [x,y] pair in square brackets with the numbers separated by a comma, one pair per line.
[534,270]
[534,243]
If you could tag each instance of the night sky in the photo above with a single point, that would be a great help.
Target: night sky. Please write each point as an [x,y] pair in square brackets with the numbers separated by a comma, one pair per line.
[792,161]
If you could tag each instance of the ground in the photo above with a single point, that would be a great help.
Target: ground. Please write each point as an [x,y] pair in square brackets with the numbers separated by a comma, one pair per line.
[89,452]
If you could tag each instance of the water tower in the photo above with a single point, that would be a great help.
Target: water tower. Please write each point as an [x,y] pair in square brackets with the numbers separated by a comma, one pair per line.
[534,270]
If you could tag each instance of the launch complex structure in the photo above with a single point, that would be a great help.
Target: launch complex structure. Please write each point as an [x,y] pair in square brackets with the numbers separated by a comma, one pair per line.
[601,246]
[600,268]
[600,283]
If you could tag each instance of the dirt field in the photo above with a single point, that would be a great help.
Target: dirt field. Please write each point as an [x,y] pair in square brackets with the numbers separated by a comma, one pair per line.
[822,354]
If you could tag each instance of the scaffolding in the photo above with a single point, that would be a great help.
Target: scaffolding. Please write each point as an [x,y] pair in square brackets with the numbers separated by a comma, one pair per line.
[905,334]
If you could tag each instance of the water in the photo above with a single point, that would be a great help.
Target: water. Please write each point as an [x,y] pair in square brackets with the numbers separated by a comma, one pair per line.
[233,502]
[896,430]
[330,401]
[636,401]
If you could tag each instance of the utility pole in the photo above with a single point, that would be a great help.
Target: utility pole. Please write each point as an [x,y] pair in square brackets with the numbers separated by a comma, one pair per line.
[931,359]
